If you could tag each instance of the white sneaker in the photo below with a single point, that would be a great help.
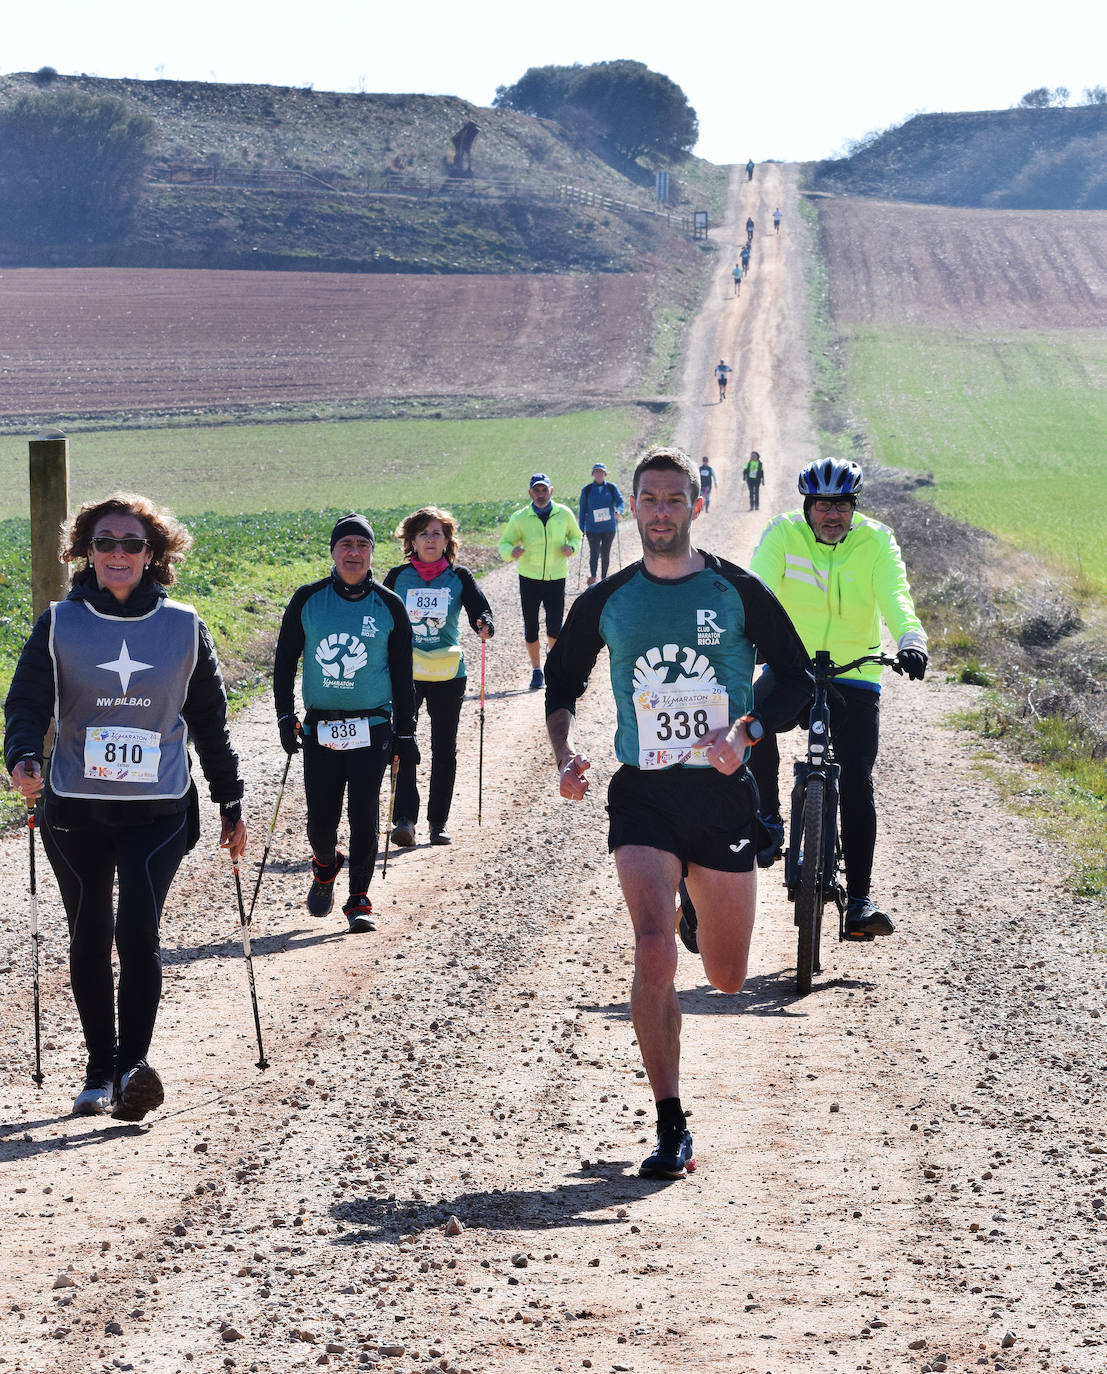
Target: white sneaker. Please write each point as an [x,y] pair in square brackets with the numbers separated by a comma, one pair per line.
[94,1099]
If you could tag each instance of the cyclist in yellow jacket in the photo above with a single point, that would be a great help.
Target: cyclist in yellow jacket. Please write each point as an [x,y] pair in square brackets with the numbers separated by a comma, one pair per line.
[541,537]
[838,575]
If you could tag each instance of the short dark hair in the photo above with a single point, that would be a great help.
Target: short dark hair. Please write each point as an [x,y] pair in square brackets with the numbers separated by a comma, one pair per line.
[668,460]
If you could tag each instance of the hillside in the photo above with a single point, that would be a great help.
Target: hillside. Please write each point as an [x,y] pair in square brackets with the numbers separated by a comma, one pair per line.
[278,177]
[1053,159]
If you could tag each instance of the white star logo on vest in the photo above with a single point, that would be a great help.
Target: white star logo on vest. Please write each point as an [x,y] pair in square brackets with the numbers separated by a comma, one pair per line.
[125,665]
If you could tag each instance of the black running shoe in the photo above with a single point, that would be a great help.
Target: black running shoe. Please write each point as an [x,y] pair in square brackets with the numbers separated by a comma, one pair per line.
[688,926]
[772,837]
[865,920]
[320,896]
[440,835]
[359,912]
[403,834]
[140,1091]
[674,1156]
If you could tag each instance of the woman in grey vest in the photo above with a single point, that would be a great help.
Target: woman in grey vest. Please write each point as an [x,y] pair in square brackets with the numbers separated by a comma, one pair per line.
[126,674]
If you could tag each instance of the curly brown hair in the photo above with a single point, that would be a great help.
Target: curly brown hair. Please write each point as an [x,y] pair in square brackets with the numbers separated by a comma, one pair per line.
[169,540]
[417,522]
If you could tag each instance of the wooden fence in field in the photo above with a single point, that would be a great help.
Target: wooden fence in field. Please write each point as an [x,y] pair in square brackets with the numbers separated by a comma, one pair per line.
[182,176]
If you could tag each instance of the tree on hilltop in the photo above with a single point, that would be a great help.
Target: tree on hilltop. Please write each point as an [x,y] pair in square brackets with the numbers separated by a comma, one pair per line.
[635,111]
[71,165]
[1042,98]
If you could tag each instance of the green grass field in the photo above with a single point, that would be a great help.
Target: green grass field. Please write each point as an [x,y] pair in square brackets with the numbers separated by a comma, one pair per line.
[1013,428]
[260,500]
[229,469]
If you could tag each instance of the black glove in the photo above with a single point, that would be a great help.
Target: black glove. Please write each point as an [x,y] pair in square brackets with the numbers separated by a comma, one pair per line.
[406,750]
[485,623]
[912,662]
[289,727]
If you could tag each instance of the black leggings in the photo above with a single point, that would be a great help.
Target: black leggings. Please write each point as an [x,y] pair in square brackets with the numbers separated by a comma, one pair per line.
[599,550]
[856,734]
[328,773]
[443,701]
[85,860]
[535,592]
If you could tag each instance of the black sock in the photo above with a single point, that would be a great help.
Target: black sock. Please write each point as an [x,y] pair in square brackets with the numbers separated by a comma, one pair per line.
[671,1113]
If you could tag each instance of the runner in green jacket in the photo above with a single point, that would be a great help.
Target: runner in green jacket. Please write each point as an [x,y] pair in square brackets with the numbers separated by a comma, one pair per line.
[838,575]
[542,538]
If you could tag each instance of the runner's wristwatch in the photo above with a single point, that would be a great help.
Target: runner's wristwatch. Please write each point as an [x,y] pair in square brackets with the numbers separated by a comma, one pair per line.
[754,729]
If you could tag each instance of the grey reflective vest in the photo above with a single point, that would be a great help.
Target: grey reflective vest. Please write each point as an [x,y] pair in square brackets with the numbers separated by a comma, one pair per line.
[119,686]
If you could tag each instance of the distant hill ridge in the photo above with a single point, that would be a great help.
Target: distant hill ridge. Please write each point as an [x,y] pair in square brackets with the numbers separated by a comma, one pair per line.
[1051,159]
[352,142]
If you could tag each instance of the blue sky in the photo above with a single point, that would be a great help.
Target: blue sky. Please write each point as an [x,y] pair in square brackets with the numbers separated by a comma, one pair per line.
[791,79]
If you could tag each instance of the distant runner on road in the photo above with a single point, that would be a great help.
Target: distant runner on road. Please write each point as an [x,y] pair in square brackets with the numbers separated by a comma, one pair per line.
[744,257]
[708,482]
[749,230]
[736,274]
[682,629]
[722,373]
[749,170]
[601,504]
[754,473]
[777,217]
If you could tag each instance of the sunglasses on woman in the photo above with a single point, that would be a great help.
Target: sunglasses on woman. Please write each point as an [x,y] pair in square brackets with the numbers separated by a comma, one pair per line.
[107,543]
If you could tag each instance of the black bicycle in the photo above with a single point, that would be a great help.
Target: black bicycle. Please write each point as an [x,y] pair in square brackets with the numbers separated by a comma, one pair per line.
[813,859]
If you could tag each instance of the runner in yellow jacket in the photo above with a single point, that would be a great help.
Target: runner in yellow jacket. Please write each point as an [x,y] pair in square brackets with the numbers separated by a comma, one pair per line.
[542,537]
[838,575]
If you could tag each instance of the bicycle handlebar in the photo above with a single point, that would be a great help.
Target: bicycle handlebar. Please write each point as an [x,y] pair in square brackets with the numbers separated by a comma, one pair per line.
[837,670]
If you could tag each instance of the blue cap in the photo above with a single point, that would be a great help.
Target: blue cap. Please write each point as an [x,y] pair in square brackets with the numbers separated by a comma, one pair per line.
[540,477]
[599,467]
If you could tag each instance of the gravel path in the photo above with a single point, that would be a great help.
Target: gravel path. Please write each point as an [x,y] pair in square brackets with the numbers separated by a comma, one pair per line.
[902,1171]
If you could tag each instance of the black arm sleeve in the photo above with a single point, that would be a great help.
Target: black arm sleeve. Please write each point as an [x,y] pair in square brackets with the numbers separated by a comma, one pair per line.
[290,648]
[778,644]
[472,598]
[205,714]
[399,664]
[577,647]
[29,707]
[391,575]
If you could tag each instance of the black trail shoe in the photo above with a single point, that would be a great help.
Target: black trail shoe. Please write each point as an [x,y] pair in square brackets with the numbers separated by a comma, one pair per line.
[688,926]
[673,1157]
[865,920]
[359,912]
[140,1091]
[320,896]
[403,834]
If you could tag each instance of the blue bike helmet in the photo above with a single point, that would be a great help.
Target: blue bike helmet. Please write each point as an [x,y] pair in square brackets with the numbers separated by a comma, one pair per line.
[831,477]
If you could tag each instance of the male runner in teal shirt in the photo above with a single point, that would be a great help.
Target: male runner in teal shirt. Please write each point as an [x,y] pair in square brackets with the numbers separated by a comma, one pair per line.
[683,629]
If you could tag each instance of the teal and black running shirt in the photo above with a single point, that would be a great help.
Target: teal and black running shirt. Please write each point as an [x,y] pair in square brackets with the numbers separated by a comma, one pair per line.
[682,654]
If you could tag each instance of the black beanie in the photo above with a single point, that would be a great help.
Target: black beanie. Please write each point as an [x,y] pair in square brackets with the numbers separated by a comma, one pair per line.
[352,524]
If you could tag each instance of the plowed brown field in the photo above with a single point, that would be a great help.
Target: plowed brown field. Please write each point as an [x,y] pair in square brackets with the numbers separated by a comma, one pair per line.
[976,269]
[101,340]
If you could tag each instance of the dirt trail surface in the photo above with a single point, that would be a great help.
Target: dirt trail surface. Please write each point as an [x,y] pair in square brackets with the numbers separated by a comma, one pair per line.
[902,1171]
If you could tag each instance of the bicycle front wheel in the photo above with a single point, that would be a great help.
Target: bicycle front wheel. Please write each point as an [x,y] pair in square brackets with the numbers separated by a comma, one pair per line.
[809,897]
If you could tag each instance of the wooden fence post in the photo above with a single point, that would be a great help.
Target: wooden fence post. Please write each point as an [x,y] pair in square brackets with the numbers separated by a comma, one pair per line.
[49,482]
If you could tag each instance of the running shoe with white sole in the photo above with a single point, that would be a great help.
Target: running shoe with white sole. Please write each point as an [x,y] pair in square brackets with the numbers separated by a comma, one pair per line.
[359,912]
[94,1099]
[403,834]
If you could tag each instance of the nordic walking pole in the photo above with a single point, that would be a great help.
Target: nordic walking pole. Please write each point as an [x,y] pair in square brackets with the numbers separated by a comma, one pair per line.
[388,832]
[35,938]
[480,751]
[269,837]
[262,1063]
[618,541]
[580,558]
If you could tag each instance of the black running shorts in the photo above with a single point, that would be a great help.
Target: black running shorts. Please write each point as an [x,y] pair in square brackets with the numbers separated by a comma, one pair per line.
[699,814]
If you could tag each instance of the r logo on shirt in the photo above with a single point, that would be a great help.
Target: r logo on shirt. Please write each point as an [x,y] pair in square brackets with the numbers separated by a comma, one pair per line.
[708,631]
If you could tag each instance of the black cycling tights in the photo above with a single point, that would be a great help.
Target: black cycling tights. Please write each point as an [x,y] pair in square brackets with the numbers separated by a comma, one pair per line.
[86,860]
[856,734]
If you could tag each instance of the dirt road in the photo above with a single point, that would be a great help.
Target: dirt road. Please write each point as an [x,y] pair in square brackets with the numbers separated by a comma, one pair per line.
[902,1171]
